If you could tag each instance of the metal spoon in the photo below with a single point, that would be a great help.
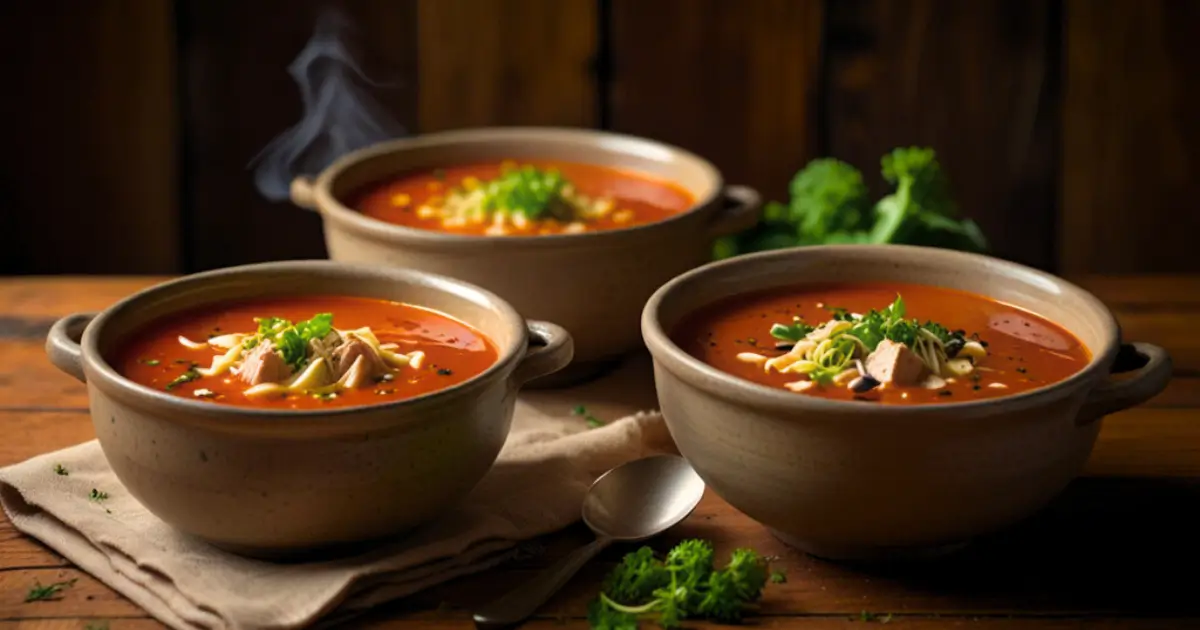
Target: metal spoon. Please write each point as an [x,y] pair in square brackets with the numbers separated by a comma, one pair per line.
[629,503]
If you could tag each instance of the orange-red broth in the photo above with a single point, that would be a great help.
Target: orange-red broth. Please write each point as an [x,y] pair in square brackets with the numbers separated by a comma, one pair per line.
[454,351]
[648,200]
[1025,351]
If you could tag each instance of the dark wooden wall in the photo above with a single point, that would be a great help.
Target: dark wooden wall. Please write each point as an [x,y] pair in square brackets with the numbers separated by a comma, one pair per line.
[1068,126]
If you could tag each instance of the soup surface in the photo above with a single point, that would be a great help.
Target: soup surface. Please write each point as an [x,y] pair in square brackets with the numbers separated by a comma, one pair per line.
[309,352]
[531,198]
[889,343]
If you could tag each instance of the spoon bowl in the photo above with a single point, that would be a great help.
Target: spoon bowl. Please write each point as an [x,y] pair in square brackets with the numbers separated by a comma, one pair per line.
[642,498]
[629,503]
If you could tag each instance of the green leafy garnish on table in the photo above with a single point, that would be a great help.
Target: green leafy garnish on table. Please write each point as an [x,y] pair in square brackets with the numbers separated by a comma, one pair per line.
[39,592]
[97,495]
[684,585]
[592,421]
[61,470]
[830,204]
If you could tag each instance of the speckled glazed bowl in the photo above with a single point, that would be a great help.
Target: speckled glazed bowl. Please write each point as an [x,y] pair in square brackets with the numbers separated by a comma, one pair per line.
[860,480]
[593,284]
[271,482]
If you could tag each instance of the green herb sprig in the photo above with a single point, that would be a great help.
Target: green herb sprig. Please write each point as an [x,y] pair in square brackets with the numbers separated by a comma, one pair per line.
[829,203]
[592,421]
[45,592]
[685,585]
[186,377]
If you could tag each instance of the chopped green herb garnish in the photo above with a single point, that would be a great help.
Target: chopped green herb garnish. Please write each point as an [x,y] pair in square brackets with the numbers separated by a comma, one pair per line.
[876,617]
[150,362]
[61,470]
[291,340]
[778,577]
[527,190]
[190,375]
[794,331]
[592,421]
[840,314]
[41,593]
[847,337]
[188,361]
[685,585]
[98,495]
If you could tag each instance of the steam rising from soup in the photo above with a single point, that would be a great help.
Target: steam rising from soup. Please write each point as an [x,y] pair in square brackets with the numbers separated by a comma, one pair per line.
[340,114]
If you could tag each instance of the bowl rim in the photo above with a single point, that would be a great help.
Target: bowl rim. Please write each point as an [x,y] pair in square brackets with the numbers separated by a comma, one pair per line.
[327,205]
[722,384]
[104,375]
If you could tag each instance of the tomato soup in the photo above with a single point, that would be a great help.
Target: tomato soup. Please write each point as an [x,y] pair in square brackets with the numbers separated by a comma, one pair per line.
[887,343]
[310,352]
[525,199]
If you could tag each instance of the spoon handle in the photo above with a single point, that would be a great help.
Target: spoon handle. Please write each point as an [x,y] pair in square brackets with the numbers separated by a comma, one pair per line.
[520,603]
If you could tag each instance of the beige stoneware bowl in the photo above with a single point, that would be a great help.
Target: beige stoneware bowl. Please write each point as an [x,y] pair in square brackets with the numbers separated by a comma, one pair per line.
[593,284]
[860,480]
[272,482]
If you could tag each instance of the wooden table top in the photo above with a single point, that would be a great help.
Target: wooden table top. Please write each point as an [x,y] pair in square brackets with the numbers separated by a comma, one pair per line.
[1117,550]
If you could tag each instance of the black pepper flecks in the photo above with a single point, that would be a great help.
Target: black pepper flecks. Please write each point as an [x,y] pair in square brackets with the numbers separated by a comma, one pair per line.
[444,371]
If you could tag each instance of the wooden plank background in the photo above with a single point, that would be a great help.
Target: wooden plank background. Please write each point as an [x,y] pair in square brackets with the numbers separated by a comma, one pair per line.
[1067,126]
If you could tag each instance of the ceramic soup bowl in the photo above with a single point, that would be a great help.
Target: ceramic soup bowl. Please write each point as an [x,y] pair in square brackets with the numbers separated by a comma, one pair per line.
[860,480]
[594,284]
[267,482]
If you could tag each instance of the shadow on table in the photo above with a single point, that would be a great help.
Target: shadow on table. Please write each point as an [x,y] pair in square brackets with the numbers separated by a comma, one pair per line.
[1115,545]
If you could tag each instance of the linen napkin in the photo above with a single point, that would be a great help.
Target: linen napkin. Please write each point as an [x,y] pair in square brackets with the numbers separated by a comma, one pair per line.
[536,487]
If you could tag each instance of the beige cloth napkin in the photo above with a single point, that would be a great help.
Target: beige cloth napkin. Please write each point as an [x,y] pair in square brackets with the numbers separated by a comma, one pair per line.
[536,487]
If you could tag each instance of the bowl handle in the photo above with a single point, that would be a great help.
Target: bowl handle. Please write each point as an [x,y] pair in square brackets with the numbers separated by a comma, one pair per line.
[550,350]
[62,344]
[1146,369]
[739,211]
[302,192]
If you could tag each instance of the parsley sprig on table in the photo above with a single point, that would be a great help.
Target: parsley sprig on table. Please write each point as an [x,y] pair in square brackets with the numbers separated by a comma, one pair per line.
[43,592]
[684,585]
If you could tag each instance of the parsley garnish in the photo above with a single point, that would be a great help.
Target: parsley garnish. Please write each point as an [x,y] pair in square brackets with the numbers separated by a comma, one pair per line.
[291,340]
[150,362]
[190,375]
[592,421]
[40,593]
[61,470]
[97,495]
[778,577]
[794,331]
[685,585]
